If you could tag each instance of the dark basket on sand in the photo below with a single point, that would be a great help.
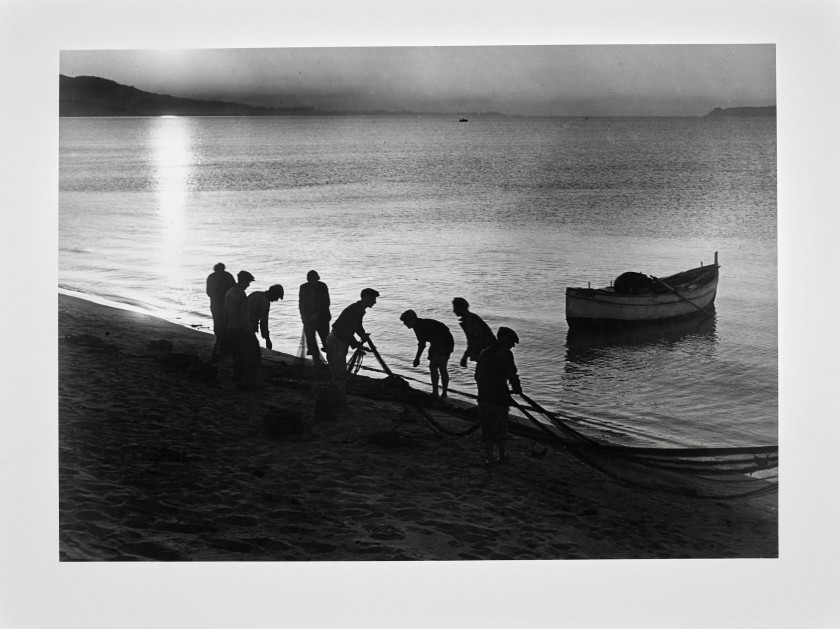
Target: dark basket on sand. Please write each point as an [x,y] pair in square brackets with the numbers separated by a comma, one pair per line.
[281,424]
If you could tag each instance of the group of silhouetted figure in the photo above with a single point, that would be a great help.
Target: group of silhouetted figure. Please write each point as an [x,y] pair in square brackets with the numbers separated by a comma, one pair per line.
[237,317]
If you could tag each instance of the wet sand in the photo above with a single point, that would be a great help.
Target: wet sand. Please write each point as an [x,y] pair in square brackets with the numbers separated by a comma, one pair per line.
[158,462]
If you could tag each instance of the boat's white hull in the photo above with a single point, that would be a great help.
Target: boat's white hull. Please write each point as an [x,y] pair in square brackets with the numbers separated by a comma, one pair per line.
[605,306]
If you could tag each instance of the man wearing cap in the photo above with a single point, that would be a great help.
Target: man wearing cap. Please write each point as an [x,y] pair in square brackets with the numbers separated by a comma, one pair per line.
[343,336]
[441,344]
[314,305]
[259,304]
[478,333]
[243,343]
[218,284]
[495,368]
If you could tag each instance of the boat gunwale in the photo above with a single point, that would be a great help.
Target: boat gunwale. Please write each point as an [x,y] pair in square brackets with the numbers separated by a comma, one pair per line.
[610,297]
[675,281]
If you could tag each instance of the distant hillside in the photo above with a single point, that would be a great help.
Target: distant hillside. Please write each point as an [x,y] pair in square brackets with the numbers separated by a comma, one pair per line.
[742,111]
[94,96]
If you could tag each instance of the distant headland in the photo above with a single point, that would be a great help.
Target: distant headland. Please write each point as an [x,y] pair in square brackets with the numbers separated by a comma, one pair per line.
[719,112]
[94,96]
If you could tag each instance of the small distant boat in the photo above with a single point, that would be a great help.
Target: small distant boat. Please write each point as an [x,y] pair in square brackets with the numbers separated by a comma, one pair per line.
[463,120]
[635,298]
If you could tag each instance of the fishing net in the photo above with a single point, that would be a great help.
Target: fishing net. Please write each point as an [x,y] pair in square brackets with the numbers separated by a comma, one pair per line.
[718,473]
[702,472]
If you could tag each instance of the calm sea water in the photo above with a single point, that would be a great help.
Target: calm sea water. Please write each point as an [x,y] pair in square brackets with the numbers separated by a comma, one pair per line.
[505,212]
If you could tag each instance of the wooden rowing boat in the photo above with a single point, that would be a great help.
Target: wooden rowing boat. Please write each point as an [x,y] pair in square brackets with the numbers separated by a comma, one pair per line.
[635,298]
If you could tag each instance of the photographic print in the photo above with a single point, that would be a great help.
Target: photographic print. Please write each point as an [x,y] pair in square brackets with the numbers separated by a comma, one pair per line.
[430,315]
[418,303]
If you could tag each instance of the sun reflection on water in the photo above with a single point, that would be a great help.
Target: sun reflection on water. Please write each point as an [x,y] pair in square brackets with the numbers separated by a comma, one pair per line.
[172,161]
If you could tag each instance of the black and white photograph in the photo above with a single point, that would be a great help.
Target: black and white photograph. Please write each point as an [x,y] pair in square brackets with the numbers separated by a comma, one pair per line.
[485,228]
[489,316]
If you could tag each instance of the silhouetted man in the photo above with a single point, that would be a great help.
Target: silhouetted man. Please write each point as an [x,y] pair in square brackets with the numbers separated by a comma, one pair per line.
[441,344]
[219,282]
[495,368]
[479,335]
[259,304]
[314,305]
[343,336]
[243,343]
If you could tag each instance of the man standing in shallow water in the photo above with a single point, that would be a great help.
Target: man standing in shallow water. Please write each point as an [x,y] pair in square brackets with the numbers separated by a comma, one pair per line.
[344,330]
[494,370]
[479,335]
[441,344]
[314,305]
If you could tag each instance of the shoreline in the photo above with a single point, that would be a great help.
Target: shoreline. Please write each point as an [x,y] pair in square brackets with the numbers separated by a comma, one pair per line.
[155,464]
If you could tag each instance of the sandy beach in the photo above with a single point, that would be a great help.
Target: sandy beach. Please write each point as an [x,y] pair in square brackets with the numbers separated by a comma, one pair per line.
[159,461]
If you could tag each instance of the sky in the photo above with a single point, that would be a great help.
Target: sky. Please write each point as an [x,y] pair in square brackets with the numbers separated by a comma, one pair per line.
[593,80]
